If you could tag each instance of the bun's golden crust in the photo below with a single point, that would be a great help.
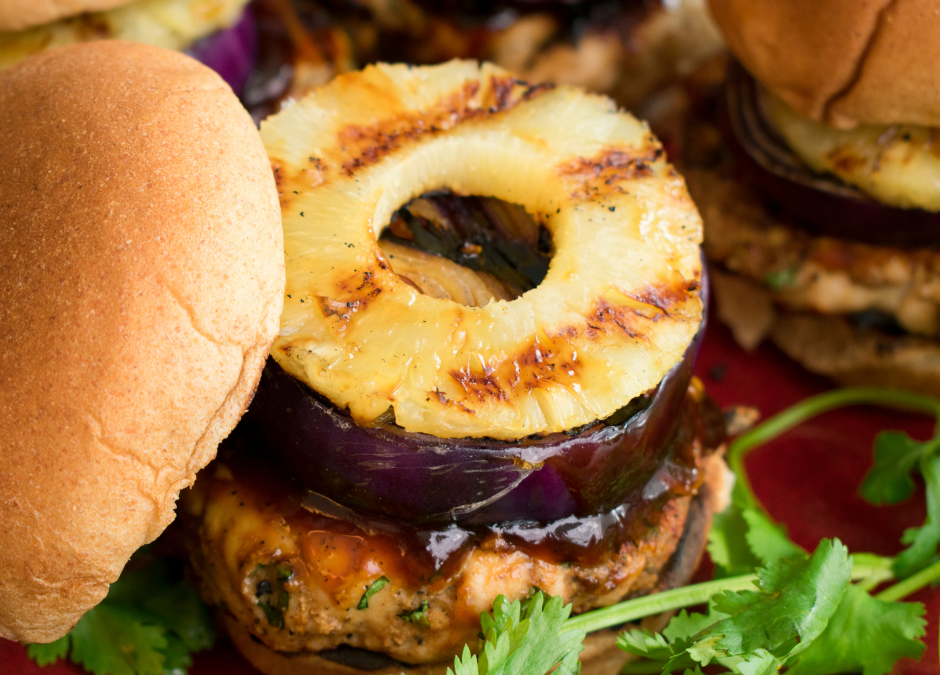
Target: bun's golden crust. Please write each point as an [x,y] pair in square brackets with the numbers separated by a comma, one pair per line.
[842,62]
[142,280]
[21,14]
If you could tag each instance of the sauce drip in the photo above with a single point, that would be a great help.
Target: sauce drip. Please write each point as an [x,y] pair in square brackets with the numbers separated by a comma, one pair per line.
[344,538]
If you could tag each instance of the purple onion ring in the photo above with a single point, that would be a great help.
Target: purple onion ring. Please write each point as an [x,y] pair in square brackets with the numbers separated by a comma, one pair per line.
[230,52]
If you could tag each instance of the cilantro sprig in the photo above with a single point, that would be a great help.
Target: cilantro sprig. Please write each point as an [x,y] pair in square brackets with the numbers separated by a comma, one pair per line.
[524,640]
[149,624]
[769,626]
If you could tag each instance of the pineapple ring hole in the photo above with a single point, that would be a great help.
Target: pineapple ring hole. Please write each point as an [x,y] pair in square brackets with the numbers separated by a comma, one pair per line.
[468,249]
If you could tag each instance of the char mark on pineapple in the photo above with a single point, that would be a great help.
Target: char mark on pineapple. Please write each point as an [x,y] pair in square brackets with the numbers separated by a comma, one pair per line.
[594,177]
[367,145]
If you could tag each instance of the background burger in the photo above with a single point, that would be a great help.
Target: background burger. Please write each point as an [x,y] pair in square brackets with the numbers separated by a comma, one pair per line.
[470,395]
[220,33]
[627,50]
[821,214]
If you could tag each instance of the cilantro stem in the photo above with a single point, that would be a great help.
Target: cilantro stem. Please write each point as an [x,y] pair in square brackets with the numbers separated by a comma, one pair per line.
[642,667]
[648,605]
[871,569]
[809,408]
[689,596]
[910,585]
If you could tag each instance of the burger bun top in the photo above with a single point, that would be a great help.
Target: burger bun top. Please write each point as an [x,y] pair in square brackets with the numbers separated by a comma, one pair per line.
[842,62]
[140,289]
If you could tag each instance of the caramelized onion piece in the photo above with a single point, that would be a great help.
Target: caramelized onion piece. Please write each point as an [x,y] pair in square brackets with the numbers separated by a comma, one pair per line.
[820,204]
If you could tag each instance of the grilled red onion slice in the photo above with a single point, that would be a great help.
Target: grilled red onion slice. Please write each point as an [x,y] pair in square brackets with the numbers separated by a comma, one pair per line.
[820,204]
[230,52]
[399,475]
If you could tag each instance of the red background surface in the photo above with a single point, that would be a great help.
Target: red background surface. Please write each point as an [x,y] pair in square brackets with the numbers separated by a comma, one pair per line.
[807,479]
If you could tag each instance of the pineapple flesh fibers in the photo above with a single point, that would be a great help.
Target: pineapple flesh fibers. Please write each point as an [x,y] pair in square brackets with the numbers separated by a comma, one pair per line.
[617,309]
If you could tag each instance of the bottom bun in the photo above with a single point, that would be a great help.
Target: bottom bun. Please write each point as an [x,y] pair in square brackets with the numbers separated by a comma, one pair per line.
[829,345]
[600,656]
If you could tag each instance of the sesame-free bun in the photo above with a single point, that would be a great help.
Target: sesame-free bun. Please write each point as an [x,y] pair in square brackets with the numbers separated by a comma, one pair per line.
[842,62]
[21,14]
[140,288]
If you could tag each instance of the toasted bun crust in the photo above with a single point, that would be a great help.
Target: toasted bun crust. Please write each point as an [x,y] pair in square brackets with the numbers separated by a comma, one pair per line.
[842,62]
[20,14]
[601,656]
[142,283]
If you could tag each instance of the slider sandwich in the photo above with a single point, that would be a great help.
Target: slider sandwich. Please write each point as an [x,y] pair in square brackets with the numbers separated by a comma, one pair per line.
[142,281]
[482,380]
[220,33]
[823,228]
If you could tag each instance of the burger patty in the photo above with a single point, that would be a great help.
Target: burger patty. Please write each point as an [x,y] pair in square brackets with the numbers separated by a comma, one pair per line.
[814,273]
[297,579]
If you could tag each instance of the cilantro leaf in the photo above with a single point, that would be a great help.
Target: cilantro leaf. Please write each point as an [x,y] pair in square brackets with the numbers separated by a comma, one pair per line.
[865,635]
[178,656]
[759,662]
[923,541]
[418,616]
[755,632]
[728,545]
[180,609]
[891,480]
[672,644]
[373,588]
[655,646]
[465,664]
[768,540]
[797,599]
[742,539]
[149,623]
[48,654]
[111,640]
[524,641]
[504,612]
[684,625]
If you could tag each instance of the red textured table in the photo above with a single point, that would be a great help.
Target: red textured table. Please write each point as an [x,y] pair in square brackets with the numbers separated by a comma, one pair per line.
[807,479]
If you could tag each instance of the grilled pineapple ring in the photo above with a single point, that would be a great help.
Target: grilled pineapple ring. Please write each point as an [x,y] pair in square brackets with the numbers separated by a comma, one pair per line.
[616,311]
[896,164]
